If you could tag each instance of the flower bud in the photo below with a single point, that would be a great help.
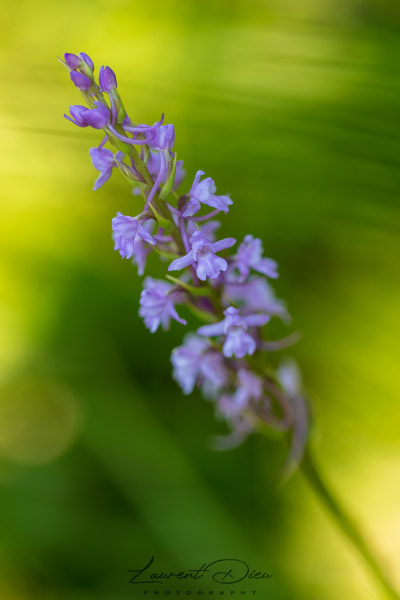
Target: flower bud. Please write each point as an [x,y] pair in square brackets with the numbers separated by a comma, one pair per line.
[81,81]
[107,79]
[87,60]
[72,60]
[78,113]
[127,171]
[99,117]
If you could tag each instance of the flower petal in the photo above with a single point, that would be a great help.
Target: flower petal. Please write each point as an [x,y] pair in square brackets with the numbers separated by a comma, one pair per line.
[182,262]
[223,244]
[256,320]
[212,330]
[268,267]
[191,208]
[145,235]
[102,178]
[219,202]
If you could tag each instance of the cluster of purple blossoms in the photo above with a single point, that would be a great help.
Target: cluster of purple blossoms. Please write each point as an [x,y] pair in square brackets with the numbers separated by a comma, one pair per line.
[228,358]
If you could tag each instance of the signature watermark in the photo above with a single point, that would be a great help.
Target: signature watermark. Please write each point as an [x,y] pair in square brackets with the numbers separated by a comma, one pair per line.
[224,571]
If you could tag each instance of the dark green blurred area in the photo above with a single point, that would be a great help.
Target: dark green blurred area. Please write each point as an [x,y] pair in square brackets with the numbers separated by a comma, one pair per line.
[293,108]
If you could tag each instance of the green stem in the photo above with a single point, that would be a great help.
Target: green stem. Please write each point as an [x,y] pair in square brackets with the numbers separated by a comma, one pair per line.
[345,521]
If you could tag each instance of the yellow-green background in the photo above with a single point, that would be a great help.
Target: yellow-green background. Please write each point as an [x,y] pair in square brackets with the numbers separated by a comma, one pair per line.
[293,107]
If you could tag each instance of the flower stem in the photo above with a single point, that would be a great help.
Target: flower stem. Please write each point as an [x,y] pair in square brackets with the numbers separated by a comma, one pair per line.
[346,523]
[159,203]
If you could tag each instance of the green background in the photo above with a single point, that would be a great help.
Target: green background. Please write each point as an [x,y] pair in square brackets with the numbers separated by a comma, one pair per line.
[293,108]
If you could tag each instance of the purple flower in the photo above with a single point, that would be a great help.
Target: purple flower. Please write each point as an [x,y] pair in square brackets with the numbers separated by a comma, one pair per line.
[203,192]
[163,138]
[104,161]
[196,362]
[249,387]
[142,248]
[213,375]
[203,256]
[78,113]
[81,81]
[125,230]
[87,60]
[249,256]
[107,79]
[154,165]
[157,304]
[256,295]
[98,118]
[238,342]
[72,60]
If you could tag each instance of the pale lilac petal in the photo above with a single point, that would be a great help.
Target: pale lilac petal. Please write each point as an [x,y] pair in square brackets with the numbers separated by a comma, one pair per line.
[102,178]
[145,235]
[223,244]
[181,263]
[196,180]
[214,374]
[238,343]
[204,189]
[102,158]
[249,256]
[157,304]
[211,330]
[219,202]
[191,208]
[256,320]
[124,225]
[163,138]
[209,265]
[268,267]
[187,361]
[140,255]
[174,315]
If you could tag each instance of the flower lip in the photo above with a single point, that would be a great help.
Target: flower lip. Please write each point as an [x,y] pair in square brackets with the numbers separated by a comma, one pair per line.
[157,304]
[203,255]
[125,229]
[195,362]
[249,257]
[238,342]
[203,192]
